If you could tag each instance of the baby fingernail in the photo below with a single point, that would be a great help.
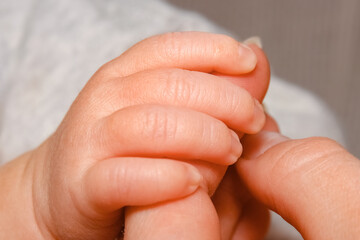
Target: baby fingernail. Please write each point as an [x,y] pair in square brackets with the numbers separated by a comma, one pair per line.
[236,147]
[195,178]
[254,40]
[259,117]
[248,57]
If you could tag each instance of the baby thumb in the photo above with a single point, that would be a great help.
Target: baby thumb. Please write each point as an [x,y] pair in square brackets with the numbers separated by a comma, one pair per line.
[312,183]
[114,183]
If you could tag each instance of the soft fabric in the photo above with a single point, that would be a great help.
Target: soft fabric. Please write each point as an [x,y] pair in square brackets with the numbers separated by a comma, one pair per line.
[50,48]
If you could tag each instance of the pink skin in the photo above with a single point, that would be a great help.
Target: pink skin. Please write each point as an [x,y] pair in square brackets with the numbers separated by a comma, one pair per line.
[195,216]
[121,141]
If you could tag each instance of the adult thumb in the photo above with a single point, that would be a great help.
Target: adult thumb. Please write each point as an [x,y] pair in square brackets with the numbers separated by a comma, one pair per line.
[313,183]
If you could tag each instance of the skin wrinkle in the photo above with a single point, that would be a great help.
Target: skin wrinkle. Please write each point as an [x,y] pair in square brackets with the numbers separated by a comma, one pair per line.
[44,227]
[88,213]
[207,130]
[182,91]
[32,171]
[173,47]
[194,92]
[286,157]
[277,182]
[312,164]
[238,109]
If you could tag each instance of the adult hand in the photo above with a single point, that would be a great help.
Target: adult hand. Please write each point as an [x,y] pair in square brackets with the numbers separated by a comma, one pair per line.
[313,183]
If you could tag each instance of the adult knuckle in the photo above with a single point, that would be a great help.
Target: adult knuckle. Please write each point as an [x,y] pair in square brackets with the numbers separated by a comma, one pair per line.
[314,148]
[310,155]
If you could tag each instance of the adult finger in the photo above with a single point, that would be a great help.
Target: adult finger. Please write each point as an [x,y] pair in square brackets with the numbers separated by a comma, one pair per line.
[117,182]
[253,223]
[270,124]
[228,200]
[240,216]
[191,218]
[165,131]
[200,51]
[313,183]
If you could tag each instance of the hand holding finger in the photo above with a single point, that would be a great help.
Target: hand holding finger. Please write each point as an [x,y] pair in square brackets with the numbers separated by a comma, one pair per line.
[313,183]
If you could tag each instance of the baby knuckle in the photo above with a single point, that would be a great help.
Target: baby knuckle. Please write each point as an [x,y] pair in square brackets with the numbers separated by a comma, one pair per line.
[178,89]
[122,178]
[105,72]
[103,69]
[211,131]
[170,45]
[158,125]
[222,44]
[113,128]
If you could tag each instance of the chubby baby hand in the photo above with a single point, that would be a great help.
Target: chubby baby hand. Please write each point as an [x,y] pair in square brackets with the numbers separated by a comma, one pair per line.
[130,136]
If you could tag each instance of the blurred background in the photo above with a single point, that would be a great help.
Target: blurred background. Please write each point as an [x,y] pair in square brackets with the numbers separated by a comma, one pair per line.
[314,44]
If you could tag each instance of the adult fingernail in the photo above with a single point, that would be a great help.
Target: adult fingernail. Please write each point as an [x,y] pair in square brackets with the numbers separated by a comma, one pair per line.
[256,145]
[254,40]
[236,147]
[259,117]
[248,57]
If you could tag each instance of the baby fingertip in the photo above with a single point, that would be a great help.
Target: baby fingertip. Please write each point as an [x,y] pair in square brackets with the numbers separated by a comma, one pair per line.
[236,147]
[248,58]
[195,179]
[259,118]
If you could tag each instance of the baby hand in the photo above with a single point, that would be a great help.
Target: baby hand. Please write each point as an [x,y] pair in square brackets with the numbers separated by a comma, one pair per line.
[139,111]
